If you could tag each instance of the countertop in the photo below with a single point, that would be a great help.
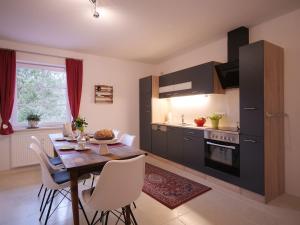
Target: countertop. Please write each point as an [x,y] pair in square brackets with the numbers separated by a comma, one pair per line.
[193,126]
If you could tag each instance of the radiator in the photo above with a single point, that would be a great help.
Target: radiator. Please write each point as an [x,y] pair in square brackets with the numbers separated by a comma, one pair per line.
[21,155]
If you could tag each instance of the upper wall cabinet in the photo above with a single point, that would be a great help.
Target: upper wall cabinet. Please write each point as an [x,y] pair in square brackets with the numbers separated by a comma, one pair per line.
[201,79]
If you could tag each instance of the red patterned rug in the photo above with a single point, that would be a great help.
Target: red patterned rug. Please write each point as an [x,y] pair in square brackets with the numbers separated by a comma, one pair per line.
[170,189]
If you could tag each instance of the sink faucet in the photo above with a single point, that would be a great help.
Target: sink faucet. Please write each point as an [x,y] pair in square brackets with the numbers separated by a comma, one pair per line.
[182,118]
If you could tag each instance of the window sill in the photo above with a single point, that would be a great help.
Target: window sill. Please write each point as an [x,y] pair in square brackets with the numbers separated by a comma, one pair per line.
[25,129]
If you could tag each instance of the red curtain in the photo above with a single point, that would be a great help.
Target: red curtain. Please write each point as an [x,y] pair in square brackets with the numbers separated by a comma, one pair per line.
[7,88]
[74,70]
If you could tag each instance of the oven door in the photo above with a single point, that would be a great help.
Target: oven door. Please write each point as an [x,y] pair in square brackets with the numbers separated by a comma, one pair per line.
[222,156]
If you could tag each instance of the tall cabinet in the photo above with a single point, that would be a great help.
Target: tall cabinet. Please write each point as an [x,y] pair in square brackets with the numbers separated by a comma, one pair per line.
[148,89]
[262,118]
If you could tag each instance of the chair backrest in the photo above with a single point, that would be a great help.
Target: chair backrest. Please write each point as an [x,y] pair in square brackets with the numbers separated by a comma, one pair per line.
[127,139]
[119,184]
[46,174]
[43,153]
[116,133]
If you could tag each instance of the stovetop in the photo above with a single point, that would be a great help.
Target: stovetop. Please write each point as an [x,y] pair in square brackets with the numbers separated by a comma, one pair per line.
[227,129]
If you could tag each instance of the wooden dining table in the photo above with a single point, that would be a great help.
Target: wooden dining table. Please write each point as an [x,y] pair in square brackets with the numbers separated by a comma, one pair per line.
[82,162]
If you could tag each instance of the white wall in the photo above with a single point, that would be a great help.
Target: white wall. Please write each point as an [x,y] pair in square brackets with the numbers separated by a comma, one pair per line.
[283,31]
[122,74]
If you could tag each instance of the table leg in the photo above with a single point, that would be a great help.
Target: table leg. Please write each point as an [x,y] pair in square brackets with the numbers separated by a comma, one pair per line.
[74,195]
[127,213]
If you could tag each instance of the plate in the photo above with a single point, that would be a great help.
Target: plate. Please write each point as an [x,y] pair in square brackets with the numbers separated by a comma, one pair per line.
[66,148]
[83,149]
[60,139]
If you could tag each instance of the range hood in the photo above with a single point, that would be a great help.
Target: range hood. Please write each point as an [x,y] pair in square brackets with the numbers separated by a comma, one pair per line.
[228,73]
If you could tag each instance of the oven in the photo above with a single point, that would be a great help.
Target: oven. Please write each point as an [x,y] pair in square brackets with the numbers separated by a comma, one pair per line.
[222,152]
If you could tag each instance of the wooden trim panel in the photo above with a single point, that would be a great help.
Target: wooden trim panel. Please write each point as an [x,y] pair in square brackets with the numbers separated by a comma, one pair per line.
[274,120]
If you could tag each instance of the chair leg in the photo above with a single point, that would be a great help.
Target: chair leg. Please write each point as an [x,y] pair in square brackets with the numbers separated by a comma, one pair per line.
[133,218]
[85,216]
[106,219]
[93,181]
[45,205]
[96,213]
[40,190]
[134,205]
[49,209]
[45,191]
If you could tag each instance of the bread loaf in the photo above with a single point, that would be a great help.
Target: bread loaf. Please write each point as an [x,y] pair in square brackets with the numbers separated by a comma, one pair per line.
[104,134]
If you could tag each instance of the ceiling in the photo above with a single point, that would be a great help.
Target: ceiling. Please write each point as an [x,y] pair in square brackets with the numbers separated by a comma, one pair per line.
[143,30]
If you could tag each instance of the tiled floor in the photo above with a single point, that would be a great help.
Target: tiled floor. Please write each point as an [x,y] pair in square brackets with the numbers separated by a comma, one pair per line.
[19,205]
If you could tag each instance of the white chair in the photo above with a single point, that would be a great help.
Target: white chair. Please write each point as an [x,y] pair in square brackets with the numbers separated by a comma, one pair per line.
[53,167]
[107,195]
[55,182]
[127,139]
[116,133]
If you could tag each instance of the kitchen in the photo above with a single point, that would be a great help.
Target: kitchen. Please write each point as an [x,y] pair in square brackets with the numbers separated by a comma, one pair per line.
[246,149]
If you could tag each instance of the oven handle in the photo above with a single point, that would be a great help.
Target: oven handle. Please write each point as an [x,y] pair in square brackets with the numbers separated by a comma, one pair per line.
[223,146]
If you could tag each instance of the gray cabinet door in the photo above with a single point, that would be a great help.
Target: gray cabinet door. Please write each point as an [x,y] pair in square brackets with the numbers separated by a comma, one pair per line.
[159,142]
[193,149]
[174,137]
[201,77]
[251,68]
[252,163]
[145,95]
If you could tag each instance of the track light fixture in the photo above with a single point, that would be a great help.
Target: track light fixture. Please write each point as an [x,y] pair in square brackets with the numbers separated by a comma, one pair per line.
[96,13]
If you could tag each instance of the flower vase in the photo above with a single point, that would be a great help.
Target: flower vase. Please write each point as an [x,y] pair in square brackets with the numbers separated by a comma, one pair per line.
[81,140]
[215,124]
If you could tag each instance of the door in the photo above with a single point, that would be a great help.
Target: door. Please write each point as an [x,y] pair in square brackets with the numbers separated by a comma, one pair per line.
[193,150]
[145,94]
[174,140]
[252,163]
[159,140]
[251,67]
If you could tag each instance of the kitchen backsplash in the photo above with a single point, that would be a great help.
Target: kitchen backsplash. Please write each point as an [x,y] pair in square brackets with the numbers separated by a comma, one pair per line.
[201,105]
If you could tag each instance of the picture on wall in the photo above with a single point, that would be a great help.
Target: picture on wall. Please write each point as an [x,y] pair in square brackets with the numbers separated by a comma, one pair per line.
[103,94]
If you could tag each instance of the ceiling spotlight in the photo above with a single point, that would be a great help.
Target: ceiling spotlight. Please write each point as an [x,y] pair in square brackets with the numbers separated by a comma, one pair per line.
[96,13]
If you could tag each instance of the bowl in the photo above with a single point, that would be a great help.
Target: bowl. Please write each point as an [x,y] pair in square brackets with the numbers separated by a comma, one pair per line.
[200,122]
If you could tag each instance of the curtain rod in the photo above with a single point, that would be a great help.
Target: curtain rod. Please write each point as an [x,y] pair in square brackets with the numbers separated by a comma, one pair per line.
[37,53]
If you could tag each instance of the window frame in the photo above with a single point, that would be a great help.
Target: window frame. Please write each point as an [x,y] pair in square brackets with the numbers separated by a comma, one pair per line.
[35,65]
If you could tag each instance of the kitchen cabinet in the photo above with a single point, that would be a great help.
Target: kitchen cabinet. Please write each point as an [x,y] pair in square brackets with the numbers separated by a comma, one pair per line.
[174,143]
[201,79]
[159,140]
[252,163]
[147,90]
[262,118]
[193,149]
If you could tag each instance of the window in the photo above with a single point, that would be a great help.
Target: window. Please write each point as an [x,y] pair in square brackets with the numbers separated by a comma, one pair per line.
[41,89]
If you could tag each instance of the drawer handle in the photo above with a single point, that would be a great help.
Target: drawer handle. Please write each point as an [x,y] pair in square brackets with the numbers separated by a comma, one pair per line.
[191,132]
[250,140]
[187,139]
[250,108]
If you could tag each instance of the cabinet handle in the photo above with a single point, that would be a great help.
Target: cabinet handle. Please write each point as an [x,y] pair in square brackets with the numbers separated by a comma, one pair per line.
[250,108]
[194,92]
[268,114]
[250,140]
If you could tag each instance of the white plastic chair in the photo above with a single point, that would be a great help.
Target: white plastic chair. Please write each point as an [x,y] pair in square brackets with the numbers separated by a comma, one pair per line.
[55,182]
[106,196]
[127,139]
[53,168]
[116,133]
